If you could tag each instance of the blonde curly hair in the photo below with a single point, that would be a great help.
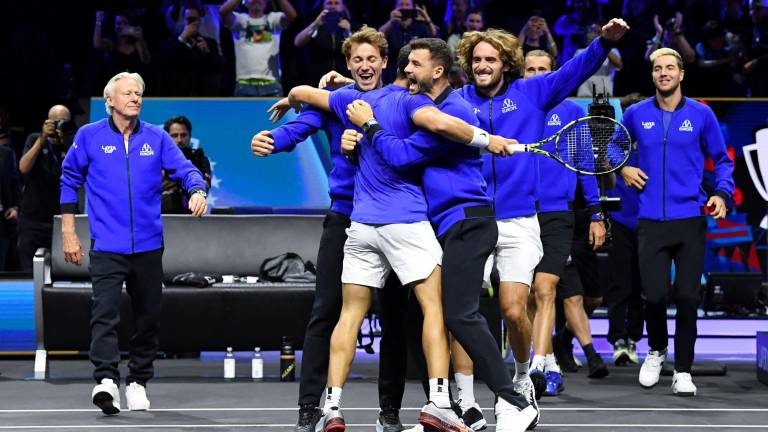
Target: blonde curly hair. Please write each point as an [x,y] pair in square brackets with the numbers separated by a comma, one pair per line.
[504,42]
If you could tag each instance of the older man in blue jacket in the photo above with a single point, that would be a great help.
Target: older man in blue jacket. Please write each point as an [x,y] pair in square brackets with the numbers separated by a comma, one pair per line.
[674,135]
[120,160]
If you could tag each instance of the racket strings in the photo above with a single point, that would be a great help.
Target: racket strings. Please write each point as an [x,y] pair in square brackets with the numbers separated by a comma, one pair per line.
[594,145]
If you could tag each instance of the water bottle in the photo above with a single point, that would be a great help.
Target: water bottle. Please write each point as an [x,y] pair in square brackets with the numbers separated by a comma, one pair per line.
[229,364]
[287,361]
[257,365]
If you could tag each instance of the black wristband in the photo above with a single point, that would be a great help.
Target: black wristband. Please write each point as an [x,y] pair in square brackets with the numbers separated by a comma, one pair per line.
[372,131]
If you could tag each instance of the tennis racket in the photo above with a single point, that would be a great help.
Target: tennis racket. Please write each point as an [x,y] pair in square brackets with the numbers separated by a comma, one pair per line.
[591,145]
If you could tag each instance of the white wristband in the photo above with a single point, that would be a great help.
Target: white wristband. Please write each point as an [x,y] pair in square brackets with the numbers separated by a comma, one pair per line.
[480,138]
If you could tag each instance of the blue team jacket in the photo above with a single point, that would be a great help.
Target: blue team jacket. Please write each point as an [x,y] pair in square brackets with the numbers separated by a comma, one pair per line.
[452,178]
[671,150]
[341,180]
[519,111]
[123,190]
[558,183]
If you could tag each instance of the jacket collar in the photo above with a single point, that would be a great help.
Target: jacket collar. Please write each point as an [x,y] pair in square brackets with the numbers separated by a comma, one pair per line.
[443,95]
[502,90]
[114,128]
[677,108]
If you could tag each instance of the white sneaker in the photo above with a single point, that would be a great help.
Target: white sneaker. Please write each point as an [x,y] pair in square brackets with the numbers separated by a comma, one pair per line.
[136,397]
[106,396]
[682,384]
[525,387]
[651,369]
[510,418]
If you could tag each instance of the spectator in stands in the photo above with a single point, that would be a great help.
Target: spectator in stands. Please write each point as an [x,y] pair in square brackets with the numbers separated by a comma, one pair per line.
[757,65]
[10,191]
[454,22]
[602,80]
[716,58]
[191,61]
[209,25]
[671,35]
[257,45]
[535,35]
[126,50]
[40,166]
[175,201]
[406,21]
[473,21]
[323,38]
[572,28]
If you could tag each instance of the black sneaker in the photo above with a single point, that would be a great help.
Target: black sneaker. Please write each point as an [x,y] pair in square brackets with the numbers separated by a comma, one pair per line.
[597,369]
[563,351]
[473,417]
[389,421]
[309,415]
[621,353]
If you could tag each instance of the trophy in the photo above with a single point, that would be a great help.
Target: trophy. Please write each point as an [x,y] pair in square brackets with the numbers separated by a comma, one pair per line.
[759,173]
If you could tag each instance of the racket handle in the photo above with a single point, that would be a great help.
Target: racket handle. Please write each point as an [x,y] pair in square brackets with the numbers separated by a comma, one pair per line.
[517,148]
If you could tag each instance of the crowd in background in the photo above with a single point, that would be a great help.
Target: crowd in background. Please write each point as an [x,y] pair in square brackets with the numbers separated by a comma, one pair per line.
[62,52]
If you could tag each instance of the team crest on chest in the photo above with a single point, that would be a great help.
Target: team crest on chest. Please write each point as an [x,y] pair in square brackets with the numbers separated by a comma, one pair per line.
[686,126]
[508,105]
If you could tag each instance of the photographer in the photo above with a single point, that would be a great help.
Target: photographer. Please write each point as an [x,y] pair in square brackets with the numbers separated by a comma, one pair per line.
[406,22]
[323,39]
[127,50]
[535,35]
[40,166]
[671,35]
[192,63]
[175,201]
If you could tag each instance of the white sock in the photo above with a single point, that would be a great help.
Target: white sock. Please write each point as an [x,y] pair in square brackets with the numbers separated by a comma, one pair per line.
[332,398]
[538,362]
[550,363]
[466,389]
[438,392]
[521,370]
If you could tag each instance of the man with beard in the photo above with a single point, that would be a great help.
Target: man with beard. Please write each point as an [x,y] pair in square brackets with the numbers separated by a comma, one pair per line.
[460,210]
[516,108]
[390,231]
[366,54]
[674,135]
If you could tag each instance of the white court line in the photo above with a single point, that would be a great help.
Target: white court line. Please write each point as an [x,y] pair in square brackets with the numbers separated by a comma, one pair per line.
[19,411]
[281,425]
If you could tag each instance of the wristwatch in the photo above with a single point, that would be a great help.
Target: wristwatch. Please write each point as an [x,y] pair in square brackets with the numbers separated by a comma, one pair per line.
[368,125]
[200,192]
[597,217]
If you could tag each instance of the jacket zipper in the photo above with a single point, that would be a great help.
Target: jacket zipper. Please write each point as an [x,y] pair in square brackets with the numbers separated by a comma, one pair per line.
[493,157]
[130,196]
[664,171]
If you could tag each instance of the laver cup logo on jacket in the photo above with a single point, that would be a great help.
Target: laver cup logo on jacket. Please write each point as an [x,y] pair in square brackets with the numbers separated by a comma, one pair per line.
[146,150]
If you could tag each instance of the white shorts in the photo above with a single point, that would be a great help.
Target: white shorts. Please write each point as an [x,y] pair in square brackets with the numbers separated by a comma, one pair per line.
[373,251]
[518,250]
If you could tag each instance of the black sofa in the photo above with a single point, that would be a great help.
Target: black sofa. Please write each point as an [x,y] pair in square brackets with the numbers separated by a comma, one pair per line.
[237,315]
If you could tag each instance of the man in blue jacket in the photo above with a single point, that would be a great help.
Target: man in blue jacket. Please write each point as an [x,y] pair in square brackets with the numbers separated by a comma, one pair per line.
[674,135]
[365,51]
[461,213]
[121,160]
[556,220]
[516,108]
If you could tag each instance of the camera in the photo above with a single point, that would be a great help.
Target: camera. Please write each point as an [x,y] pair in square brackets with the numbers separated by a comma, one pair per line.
[407,13]
[331,21]
[66,127]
